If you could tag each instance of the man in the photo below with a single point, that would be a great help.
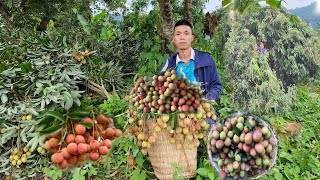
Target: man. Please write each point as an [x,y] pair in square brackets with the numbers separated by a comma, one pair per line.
[193,64]
[261,48]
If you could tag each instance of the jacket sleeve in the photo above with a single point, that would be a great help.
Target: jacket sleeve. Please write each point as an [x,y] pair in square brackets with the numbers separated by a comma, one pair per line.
[215,86]
[164,66]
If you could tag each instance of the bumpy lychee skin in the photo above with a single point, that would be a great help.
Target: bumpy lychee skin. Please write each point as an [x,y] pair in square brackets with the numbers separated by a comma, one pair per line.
[53,142]
[101,119]
[107,143]
[82,148]
[94,145]
[65,153]
[89,139]
[80,139]
[57,158]
[94,156]
[63,164]
[47,146]
[87,120]
[103,150]
[110,133]
[72,160]
[70,138]
[82,157]
[72,148]
[117,133]
[80,129]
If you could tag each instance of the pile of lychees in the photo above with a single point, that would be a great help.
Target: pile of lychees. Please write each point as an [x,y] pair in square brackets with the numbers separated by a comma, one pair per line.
[82,140]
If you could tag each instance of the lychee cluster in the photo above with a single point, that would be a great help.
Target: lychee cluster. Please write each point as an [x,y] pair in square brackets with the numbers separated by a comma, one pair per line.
[82,143]
[19,156]
[165,94]
[244,146]
[190,127]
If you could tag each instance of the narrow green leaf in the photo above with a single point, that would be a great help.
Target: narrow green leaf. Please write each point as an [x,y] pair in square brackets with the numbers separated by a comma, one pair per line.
[56,115]
[52,129]
[174,117]
[2,67]
[225,2]
[45,121]
[87,125]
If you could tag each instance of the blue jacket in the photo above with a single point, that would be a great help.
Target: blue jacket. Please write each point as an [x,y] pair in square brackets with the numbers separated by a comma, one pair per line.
[205,72]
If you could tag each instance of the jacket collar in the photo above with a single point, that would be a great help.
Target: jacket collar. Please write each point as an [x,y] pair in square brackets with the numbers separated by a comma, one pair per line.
[199,58]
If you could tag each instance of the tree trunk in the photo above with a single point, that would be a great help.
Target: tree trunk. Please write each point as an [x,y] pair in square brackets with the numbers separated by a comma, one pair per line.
[188,10]
[167,18]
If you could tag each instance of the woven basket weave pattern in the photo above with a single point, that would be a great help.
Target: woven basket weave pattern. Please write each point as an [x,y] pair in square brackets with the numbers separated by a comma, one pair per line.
[163,154]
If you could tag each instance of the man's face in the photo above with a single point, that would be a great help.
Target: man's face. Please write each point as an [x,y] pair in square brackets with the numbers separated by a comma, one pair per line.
[261,45]
[182,37]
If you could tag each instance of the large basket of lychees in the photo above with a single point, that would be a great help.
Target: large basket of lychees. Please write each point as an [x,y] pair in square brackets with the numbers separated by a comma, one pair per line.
[167,119]
[242,146]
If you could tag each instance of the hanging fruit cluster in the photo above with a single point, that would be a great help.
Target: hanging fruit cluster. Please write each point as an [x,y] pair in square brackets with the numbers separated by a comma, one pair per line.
[165,94]
[243,145]
[82,140]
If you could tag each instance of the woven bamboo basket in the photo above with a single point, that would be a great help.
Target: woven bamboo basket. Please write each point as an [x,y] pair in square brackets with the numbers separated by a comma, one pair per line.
[214,157]
[163,155]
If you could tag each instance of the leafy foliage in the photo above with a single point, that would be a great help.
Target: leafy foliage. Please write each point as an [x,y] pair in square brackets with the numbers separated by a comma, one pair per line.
[293,45]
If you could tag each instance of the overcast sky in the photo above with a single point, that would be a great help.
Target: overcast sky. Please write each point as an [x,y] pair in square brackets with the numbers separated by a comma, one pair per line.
[291,4]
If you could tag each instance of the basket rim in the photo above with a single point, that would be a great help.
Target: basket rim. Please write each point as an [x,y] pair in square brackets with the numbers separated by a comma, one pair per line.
[264,122]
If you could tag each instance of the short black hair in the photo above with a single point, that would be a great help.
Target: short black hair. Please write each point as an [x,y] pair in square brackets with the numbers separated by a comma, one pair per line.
[182,22]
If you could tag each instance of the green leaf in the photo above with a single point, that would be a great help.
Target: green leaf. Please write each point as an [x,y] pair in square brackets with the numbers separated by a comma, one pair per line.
[202,171]
[52,129]
[140,159]
[174,117]
[236,130]
[294,18]
[87,125]
[2,67]
[55,114]
[198,177]
[84,23]
[79,175]
[78,112]
[225,2]
[45,121]
[211,175]
[278,175]
[274,3]
[95,19]
[26,67]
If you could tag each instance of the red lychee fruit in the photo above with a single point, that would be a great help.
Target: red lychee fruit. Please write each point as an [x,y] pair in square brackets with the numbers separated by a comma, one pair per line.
[82,157]
[107,143]
[103,150]
[101,119]
[117,132]
[94,156]
[53,142]
[65,153]
[72,148]
[89,139]
[94,145]
[72,160]
[80,139]
[63,164]
[82,148]
[80,129]
[47,146]
[57,158]
[70,138]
